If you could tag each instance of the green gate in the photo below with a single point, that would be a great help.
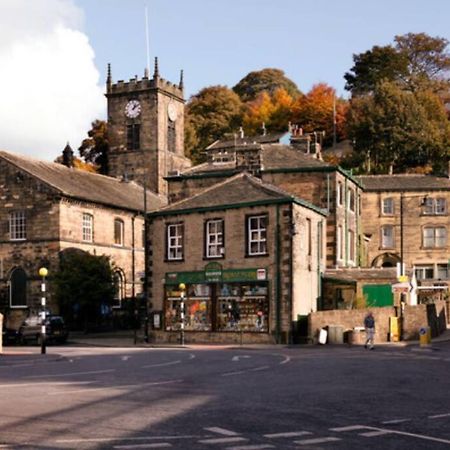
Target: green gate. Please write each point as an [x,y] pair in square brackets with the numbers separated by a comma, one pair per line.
[378,295]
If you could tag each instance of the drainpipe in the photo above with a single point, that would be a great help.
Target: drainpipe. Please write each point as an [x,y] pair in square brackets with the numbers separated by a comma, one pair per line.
[346,220]
[277,279]
[291,273]
[319,259]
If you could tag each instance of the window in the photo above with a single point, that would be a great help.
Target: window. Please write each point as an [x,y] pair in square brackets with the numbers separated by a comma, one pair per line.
[424,272]
[339,243]
[214,238]
[175,241]
[387,236]
[133,136]
[18,288]
[351,199]
[434,206]
[118,232]
[442,271]
[118,290]
[88,225]
[17,226]
[434,237]
[351,243]
[309,235]
[171,137]
[257,235]
[339,193]
[388,206]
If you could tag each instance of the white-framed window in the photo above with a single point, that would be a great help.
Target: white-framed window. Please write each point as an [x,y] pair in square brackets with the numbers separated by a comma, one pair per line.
[434,237]
[351,199]
[442,271]
[214,238]
[309,236]
[340,243]
[434,206]
[340,193]
[88,227]
[257,235]
[387,236]
[118,290]
[387,206]
[425,272]
[351,243]
[118,232]
[17,226]
[175,233]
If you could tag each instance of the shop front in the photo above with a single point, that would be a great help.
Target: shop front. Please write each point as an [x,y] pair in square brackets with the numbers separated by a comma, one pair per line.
[217,301]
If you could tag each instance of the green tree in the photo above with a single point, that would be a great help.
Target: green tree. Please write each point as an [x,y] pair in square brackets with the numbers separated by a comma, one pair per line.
[268,80]
[211,113]
[399,129]
[94,149]
[83,284]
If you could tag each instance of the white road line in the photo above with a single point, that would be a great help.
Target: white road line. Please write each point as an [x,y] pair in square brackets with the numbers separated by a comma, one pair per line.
[158,445]
[287,435]
[439,416]
[317,440]
[119,438]
[71,374]
[259,368]
[285,360]
[349,428]
[191,356]
[49,383]
[374,433]
[238,372]
[178,361]
[222,440]
[251,447]
[223,431]
[395,421]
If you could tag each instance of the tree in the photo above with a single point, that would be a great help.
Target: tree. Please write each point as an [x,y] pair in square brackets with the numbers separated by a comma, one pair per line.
[399,129]
[94,149]
[317,110]
[84,284]
[211,113]
[268,80]
[415,62]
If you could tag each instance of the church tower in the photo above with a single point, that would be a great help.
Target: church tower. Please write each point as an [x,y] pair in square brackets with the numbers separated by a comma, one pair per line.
[146,129]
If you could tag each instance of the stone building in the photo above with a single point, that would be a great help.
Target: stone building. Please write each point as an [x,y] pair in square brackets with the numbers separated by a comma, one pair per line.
[405,218]
[46,209]
[250,254]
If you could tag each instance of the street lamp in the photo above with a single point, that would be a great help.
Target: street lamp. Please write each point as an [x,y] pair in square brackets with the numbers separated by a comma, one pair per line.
[43,272]
[182,288]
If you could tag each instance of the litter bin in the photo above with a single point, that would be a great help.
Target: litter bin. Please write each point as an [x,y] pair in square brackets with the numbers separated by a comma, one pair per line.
[394,329]
[358,336]
[335,334]
[424,336]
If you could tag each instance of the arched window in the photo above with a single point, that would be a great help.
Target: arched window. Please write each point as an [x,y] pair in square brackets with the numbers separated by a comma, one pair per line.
[18,288]
[119,287]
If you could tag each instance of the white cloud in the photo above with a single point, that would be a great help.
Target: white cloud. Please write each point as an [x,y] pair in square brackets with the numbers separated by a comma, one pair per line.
[49,91]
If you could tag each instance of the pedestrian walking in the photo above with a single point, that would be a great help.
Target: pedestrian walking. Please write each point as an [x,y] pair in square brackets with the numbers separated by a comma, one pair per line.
[369,325]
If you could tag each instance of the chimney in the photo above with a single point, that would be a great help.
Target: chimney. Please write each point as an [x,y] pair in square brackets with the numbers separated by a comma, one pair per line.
[67,156]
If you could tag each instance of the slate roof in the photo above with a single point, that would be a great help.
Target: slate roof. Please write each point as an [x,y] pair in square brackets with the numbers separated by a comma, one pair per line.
[84,185]
[246,140]
[241,189]
[403,182]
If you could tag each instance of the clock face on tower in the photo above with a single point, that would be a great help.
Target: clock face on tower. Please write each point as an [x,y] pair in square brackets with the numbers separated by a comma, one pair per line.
[172,111]
[133,109]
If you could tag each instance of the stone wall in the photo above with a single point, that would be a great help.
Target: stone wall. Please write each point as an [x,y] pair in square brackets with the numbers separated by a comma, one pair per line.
[433,315]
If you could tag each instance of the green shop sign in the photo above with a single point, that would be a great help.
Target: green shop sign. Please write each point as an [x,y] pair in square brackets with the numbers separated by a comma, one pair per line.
[213,273]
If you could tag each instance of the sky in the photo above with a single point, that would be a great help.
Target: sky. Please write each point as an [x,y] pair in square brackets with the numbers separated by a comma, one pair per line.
[54,53]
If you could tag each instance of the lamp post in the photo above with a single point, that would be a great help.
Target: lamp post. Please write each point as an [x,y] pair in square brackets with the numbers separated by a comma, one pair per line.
[182,288]
[43,272]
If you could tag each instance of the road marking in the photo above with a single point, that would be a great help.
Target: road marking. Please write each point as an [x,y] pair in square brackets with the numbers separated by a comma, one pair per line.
[238,372]
[171,363]
[317,440]
[251,447]
[222,440]
[119,438]
[349,428]
[287,435]
[237,358]
[125,358]
[191,356]
[395,421]
[71,374]
[285,360]
[374,433]
[50,383]
[223,431]
[439,416]
[158,445]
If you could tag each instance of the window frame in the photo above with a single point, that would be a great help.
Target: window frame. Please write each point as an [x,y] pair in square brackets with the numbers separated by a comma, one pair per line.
[17,226]
[383,243]
[385,211]
[87,227]
[261,241]
[435,239]
[133,135]
[119,234]
[178,246]
[339,193]
[219,245]
[351,199]
[340,243]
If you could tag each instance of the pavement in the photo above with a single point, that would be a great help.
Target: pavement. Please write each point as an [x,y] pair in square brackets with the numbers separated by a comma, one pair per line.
[121,339]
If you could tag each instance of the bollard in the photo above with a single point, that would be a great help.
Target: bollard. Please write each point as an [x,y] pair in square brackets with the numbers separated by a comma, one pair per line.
[425,336]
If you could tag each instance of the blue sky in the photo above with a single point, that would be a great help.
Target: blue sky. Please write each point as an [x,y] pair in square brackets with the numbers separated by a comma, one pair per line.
[219,42]
[54,53]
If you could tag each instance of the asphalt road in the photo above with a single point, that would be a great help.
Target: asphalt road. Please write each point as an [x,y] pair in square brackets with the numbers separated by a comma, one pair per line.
[236,399]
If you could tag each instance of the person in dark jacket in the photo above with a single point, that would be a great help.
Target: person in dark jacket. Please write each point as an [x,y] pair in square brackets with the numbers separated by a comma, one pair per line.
[369,325]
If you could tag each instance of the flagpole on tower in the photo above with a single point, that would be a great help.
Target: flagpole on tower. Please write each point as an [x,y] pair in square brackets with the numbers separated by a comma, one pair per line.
[147,39]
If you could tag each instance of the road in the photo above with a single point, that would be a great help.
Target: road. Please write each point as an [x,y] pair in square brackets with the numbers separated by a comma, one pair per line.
[198,398]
